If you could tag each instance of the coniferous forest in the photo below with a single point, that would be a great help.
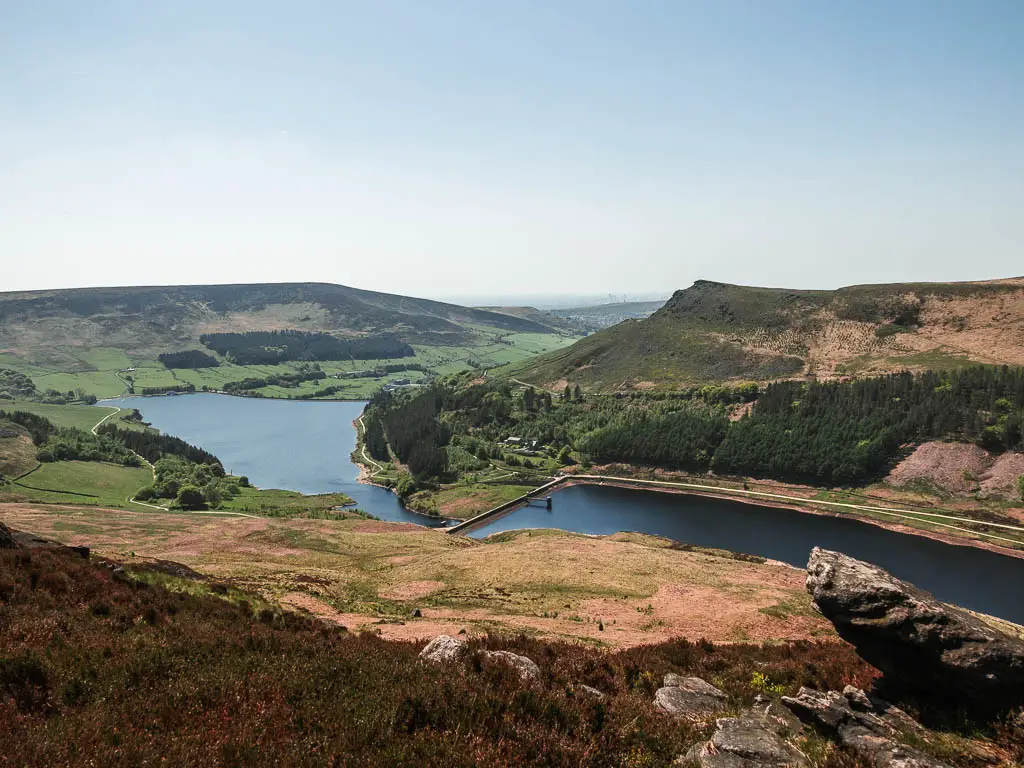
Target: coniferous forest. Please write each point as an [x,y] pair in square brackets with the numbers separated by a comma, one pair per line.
[153,446]
[833,433]
[270,347]
[190,358]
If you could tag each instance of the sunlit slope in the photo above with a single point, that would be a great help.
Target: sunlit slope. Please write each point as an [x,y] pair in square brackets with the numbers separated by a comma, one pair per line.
[715,332]
[37,325]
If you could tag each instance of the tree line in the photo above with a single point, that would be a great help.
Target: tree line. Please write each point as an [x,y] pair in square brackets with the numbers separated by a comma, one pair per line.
[171,388]
[190,358]
[850,432]
[832,433]
[154,445]
[270,347]
[69,444]
[275,380]
[191,485]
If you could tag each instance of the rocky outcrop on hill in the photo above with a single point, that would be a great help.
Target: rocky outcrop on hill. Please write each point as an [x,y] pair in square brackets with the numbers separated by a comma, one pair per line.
[7,540]
[927,646]
[869,727]
[688,697]
[761,737]
[774,735]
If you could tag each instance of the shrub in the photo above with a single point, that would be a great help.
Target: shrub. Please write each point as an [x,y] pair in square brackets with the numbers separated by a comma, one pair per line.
[190,497]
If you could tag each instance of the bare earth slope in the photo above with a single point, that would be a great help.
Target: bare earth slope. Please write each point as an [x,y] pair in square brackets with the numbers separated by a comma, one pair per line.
[720,332]
[147,320]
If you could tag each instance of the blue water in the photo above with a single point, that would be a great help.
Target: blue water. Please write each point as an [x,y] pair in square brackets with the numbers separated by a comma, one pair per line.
[974,578]
[299,445]
[305,446]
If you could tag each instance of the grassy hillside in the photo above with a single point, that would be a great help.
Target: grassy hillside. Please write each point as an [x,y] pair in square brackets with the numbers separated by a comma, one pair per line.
[143,667]
[552,584]
[101,339]
[154,663]
[17,452]
[80,482]
[719,332]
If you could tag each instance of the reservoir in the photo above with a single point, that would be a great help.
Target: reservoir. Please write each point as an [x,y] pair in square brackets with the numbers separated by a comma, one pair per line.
[297,445]
[306,446]
[974,578]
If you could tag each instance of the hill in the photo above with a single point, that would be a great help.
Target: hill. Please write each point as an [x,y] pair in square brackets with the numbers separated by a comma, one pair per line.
[89,338]
[149,319]
[719,332]
[149,661]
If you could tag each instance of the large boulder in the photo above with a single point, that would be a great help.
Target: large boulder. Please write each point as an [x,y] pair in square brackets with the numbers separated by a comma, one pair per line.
[688,697]
[870,727]
[7,540]
[928,646]
[758,738]
[444,649]
[526,668]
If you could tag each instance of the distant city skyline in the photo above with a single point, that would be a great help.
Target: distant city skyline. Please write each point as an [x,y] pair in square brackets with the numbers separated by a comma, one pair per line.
[457,148]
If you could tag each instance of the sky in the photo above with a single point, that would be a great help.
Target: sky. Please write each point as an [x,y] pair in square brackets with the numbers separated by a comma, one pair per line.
[510,147]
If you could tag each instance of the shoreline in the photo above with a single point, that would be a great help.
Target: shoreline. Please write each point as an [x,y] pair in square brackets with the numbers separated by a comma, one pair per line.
[867,513]
[805,506]
[795,506]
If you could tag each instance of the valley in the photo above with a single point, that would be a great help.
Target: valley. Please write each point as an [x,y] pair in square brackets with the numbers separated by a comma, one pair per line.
[106,342]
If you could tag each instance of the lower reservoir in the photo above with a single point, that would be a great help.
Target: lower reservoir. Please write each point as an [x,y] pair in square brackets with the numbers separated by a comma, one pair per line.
[974,578]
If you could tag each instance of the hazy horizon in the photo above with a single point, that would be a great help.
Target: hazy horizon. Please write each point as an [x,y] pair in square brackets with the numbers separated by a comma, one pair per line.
[461,149]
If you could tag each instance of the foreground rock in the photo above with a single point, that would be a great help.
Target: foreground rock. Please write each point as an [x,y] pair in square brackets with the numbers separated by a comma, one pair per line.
[525,667]
[7,540]
[21,540]
[869,727]
[688,697]
[759,738]
[444,649]
[926,645]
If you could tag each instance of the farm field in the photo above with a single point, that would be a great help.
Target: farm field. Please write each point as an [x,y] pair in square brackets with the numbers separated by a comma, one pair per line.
[80,482]
[77,416]
[96,370]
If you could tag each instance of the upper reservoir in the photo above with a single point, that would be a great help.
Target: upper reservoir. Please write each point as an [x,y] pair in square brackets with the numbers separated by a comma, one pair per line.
[293,444]
[306,446]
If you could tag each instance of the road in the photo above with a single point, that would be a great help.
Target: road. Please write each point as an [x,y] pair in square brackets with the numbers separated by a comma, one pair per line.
[366,458]
[525,384]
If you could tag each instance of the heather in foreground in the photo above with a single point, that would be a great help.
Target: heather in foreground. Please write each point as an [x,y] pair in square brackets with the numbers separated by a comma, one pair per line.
[99,666]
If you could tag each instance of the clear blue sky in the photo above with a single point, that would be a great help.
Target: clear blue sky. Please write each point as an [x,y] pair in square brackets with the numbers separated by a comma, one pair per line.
[441,148]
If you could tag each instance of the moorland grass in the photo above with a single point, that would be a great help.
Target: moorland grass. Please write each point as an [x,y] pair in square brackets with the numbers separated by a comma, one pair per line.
[128,668]
[116,669]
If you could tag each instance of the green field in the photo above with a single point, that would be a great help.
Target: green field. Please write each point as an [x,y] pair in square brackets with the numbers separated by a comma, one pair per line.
[465,500]
[273,502]
[96,370]
[80,482]
[77,416]
[17,453]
